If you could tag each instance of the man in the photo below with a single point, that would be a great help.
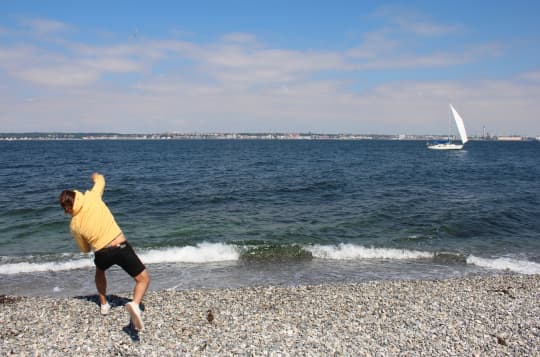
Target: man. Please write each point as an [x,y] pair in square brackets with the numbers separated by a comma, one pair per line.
[93,227]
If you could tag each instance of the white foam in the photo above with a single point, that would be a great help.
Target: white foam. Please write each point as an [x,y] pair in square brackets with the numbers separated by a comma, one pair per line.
[217,252]
[201,253]
[17,268]
[515,265]
[351,251]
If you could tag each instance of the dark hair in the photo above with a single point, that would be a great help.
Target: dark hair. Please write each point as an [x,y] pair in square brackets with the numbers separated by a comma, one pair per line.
[66,199]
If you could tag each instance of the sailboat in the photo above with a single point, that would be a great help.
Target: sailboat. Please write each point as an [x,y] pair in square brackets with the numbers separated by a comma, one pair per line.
[448,144]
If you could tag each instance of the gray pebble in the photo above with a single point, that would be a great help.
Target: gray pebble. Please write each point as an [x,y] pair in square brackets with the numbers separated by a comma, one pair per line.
[485,316]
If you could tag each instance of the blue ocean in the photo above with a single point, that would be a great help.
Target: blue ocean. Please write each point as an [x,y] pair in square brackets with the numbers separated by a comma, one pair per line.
[231,213]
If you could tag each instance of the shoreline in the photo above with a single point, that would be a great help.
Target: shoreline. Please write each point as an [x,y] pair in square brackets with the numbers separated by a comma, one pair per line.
[479,315]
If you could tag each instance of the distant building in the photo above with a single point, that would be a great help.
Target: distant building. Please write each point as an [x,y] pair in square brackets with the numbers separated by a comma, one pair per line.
[509,138]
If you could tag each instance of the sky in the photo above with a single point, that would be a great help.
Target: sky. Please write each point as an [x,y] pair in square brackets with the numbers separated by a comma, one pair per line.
[370,67]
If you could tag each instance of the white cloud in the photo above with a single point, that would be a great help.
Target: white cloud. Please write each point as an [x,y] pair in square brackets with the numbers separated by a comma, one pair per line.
[59,76]
[45,26]
[371,58]
[119,50]
[116,65]
[73,65]
[409,21]
[240,37]
[388,48]
[11,55]
[423,27]
[266,66]
[375,44]
[431,60]
[533,76]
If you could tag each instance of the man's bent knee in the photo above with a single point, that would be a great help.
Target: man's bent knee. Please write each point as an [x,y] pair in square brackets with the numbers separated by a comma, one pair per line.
[143,277]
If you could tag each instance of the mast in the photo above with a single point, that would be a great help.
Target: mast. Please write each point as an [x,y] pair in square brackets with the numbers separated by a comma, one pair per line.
[449,123]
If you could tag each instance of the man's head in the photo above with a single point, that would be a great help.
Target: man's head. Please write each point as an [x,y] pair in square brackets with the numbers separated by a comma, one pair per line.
[67,199]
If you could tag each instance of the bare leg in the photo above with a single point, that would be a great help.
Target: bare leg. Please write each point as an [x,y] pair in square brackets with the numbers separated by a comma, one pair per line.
[101,285]
[141,285]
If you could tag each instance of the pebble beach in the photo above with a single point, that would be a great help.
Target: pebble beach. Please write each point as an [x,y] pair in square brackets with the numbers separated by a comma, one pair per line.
[480,315]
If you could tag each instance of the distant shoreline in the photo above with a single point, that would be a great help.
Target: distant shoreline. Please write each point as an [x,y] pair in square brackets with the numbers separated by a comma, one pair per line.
[37,136]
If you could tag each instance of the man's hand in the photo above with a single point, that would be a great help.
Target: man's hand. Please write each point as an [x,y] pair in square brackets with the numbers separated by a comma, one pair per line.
[94,176]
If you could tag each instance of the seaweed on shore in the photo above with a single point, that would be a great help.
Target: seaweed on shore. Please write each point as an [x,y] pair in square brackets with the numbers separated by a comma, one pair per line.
[8,300]
[276,252]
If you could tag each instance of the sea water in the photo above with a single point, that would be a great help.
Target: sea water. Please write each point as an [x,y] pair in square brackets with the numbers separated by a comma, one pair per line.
[231,213]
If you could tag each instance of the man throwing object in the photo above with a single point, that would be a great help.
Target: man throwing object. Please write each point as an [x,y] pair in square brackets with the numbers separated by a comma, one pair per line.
[93,227]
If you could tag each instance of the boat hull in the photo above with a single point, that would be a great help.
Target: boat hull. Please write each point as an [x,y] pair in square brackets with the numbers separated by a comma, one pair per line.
[445,147]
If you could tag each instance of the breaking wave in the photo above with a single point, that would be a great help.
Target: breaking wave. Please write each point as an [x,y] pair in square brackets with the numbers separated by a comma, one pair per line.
[514,265]
[220,252]
[352,252]
[201,253]
[27,267]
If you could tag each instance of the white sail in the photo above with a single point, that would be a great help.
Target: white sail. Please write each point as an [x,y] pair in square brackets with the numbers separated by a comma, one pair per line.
[460,125]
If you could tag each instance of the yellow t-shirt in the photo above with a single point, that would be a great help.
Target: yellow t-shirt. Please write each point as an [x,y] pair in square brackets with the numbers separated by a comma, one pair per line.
[92,225]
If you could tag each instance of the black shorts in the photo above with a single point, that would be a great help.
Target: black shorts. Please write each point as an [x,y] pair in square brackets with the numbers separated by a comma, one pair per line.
[121,255]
